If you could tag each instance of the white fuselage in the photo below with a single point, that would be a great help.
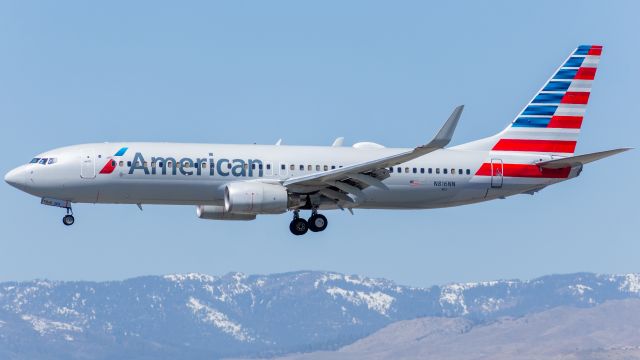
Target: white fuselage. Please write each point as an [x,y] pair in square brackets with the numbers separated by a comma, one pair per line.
[147,173]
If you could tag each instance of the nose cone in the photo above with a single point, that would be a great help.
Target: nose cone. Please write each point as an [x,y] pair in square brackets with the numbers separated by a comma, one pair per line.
[16,178]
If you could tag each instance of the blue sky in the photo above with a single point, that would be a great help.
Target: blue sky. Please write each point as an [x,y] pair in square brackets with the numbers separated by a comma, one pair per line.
[244,72]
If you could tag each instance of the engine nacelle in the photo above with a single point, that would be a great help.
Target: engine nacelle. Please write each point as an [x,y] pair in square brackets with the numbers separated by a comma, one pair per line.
[255,198]
[215,212]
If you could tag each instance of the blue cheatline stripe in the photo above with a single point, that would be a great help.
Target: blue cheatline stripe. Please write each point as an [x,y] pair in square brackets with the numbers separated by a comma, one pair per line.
[566,74]
[524,121]
[574,62]
[539,110]
[548,98]
[557,86]
[121,151]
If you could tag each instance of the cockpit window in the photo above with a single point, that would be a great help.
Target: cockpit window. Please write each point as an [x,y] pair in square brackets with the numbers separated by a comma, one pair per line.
[34,160]
[52,161]
[43,161]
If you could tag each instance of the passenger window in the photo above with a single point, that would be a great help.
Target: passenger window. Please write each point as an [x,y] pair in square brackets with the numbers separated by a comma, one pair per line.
[169,164]
[415,170]
[317,167]
[145,164]
[390,169]
[292,167]
[406,170]
[444,171]
[260,166]
[122,163]
[453,171]
[399,170]
[228,165]
[113,162]
[34,160]
[326,168]
[302,168]
[283,167]
[421,170]
[459,171]
[246,166]
[178,165]
[309,168]
[268,166]
[333,167]
[129,163]
[430,170]
[204,165]
[468,172]
[437,170]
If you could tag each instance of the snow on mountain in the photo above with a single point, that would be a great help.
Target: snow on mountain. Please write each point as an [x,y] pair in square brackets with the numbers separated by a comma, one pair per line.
[201,316]
[219,320]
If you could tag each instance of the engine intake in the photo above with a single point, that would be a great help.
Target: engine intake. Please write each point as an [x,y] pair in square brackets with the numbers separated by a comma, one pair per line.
[255,198]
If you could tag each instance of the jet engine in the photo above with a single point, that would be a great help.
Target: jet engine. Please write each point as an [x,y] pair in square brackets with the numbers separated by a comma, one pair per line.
[255,198]
[215,212]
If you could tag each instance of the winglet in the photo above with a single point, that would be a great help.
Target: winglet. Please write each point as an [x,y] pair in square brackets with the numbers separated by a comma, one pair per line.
[443,137]
[338,142]
[279,142]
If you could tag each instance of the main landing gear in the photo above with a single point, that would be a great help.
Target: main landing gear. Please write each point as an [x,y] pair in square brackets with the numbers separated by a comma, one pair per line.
[316,223]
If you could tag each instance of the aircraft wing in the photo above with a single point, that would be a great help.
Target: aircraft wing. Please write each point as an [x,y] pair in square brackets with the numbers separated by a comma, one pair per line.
[351,179]
[580,159]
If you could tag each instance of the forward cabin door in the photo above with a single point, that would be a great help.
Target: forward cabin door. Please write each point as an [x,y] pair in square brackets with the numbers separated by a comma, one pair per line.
[87,164]
[497,171]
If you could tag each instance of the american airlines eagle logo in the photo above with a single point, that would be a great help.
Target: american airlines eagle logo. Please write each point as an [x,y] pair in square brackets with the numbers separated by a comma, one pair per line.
[111,164]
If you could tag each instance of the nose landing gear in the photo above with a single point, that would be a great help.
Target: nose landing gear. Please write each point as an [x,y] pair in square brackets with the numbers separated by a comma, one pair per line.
[316,223]
[68,219]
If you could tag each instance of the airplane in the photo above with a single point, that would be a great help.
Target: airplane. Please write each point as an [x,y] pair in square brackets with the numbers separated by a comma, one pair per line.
[239,182]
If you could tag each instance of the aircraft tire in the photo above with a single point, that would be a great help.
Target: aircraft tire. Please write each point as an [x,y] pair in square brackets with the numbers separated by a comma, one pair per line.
[317,222]
[299,226]
[68,220]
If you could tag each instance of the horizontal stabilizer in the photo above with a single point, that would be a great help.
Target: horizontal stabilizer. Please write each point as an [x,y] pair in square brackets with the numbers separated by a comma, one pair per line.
[580,159]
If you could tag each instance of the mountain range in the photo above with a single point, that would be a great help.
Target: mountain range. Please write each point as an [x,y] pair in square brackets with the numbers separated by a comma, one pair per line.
[200,316]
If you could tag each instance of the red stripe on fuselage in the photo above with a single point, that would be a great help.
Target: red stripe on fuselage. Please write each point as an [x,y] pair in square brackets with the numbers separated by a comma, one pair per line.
[555,146]
[565,122]
[525,170]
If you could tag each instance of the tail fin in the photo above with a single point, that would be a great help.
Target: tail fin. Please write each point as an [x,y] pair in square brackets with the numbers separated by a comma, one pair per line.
[551,122]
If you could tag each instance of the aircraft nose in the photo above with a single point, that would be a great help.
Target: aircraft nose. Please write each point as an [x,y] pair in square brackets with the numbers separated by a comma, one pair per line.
[16,177]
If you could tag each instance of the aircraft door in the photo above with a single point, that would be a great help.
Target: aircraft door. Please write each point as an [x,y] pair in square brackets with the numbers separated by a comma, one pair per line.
[497,171]
[87,164]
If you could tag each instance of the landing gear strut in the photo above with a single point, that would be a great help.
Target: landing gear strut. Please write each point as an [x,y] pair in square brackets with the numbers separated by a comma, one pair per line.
[316,223]
[68,219]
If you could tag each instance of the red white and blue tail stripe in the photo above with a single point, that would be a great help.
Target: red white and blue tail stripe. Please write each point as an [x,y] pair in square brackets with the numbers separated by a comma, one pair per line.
[551,122]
